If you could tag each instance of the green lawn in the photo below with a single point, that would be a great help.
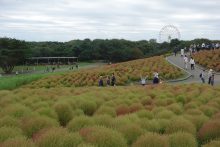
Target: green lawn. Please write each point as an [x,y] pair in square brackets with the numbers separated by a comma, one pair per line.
[12,82]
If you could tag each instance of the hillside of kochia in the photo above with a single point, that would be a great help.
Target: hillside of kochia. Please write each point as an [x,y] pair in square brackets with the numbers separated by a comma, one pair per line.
[160,116]
[125,72]
[209,59]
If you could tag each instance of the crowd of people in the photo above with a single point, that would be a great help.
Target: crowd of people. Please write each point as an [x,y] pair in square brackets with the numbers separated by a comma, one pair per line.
[111,81]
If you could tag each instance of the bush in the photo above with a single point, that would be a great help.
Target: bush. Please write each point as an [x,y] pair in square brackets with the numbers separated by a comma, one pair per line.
[213,143]
[64,113]
[103,137]
[47,112]
[182,139]
[18,142]
[9,132]
[197,120]
[122,110]
[17,110]
[34,124]
[144,114]
[175,108]
[80,122]
[208,110]
[57,137]
[88,107]
[131,132]
[180,124]
[166,114]
[151,140]
[103,120]
[106,110]
[9,121]
[150,125]
[209,131]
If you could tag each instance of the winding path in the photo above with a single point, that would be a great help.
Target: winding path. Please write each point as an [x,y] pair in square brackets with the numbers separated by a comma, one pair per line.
[194,78]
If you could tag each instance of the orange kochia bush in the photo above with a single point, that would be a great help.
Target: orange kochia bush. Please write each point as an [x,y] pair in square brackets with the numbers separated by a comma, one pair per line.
[124,72]
[208,59]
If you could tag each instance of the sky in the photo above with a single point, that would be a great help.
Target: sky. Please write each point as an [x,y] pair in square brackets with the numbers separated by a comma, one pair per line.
[64,20]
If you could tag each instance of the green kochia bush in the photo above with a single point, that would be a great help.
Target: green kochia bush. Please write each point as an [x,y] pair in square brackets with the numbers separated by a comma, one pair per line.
[64,113]
[18,142]
[9,132]
[106,110]
[213,143]
[34,124]
[182,139]
[17,110]
[88,106]
[151,140]
[103,137]
[80,122]
[180,124]
[9,121]
[57,137]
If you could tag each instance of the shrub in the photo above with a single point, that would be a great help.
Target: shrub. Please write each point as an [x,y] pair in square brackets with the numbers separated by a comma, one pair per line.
[17,110]
[144,114]
[135,107]
[182,139]
[34,124]
[180,124]
[103,137]
[122,110]
[57,137]
[103,120]
[64,113]
[150,125]
[9,132]
[209,131]
[9,121]
[80,122]
[88,107]
[106,110]
[166,114]
[213,143]
[197,120]
[47,112]
[18,142]
[86,145]
[131,132]
[175,108]
[208,110]
[151,140]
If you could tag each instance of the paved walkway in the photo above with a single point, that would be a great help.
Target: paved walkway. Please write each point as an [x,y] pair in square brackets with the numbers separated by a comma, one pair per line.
[178,61]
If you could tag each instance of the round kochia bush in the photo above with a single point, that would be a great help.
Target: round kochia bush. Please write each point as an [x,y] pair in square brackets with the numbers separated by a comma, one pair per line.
[151,140]
[64,113]
[18,142]
[57,137]
[182,139]
[34,124]
[213,143]
[9,132]
[9,121]
[180,124]
[103,137]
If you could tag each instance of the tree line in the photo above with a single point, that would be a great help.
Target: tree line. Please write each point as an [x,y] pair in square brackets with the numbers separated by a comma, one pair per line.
[13,52]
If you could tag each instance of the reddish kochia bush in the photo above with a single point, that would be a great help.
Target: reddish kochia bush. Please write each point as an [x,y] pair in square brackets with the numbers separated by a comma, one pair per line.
[209,131]
[122,110]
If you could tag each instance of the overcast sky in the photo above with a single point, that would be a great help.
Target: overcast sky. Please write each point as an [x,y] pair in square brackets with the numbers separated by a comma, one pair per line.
[64,20]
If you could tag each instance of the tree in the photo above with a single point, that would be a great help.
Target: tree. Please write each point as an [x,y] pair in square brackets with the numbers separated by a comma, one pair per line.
[12,52]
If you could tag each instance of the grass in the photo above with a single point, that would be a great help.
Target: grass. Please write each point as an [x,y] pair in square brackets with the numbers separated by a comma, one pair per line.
[13,82]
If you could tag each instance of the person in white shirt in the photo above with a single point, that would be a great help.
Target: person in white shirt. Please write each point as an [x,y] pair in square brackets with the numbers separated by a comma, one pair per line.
[192,63]
[182,52]
[185,59]
[143,80]
[210,77]
[203,45]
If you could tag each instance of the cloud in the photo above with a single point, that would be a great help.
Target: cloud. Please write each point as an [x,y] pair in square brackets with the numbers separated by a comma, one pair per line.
[63,20]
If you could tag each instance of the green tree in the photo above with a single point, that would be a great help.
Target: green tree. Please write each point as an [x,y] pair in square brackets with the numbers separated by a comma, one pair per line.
[12,52]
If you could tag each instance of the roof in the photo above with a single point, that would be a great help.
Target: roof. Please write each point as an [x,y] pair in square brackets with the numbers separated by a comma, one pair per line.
[35,58]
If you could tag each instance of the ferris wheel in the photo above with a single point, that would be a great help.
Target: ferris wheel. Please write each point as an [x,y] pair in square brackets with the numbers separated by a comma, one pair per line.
[169,32]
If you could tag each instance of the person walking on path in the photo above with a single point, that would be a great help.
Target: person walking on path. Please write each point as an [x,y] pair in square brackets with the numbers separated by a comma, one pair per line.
[192,63]
[156,79]
[210,76]
[202,76]
[182,52]
[143,80]
[185,59]
[101,83]
[113,80]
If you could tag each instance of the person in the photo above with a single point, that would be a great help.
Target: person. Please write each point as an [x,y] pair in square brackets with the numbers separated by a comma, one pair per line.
[108,81]
[16,72]
[143,80]
[113,80]
[182,52]
[210,73]
[77,66]
[175,51]
[192,63]
[101,83]
[203,46]
[212,79]
[185,59]
[202,76]
[156,79]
